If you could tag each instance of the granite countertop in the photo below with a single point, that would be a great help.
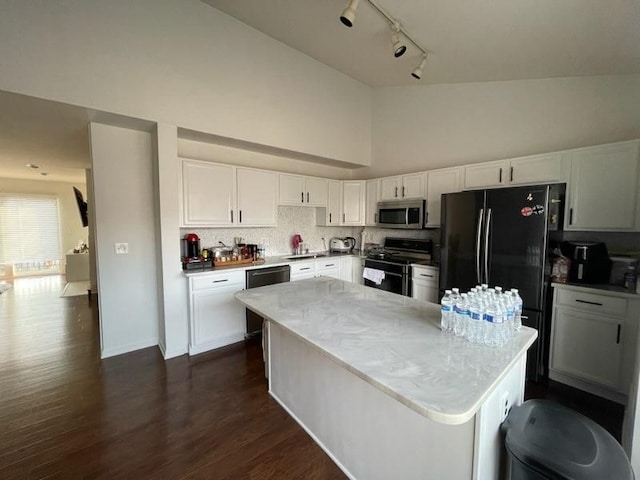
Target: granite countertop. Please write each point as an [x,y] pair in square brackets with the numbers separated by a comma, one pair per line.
[273,261]
[392,342]
[599,288]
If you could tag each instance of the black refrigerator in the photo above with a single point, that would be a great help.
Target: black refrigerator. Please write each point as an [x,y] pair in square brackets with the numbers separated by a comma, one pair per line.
[501,237]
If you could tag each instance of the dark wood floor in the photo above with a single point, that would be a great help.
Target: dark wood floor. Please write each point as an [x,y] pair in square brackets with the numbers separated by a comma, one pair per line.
[64,414]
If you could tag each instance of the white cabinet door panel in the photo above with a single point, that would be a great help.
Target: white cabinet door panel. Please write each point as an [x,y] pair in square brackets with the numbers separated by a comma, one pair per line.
[207,193]
[315,191]
[537,169]
[587,346]
[371,202]
[353,202]
[291,189]
[604,188]
[413,186]
[390,188]
[438,182]
[486,175]
[257,197]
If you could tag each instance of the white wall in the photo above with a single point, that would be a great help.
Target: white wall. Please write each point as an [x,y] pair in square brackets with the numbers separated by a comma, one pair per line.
[71,229]
[187,64]
[123,194]
[426,127]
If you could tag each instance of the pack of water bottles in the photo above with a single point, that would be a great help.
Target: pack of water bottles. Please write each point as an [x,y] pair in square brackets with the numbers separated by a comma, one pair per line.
[488,316]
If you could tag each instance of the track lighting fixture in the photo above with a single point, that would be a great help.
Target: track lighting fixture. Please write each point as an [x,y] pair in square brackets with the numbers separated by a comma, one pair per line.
[349,14]
[398,47]
[398,32]
[417,72]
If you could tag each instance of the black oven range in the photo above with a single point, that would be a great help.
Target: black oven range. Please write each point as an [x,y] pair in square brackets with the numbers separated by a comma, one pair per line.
[390,269]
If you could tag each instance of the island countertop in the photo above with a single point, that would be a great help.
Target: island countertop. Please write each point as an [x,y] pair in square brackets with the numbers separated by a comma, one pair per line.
[392,342]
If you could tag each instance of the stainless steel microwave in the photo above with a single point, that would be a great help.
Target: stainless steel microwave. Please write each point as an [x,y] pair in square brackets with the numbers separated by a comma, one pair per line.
[402,214]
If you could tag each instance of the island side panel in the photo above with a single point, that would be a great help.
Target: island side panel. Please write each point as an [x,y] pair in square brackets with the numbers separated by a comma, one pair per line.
[367,433]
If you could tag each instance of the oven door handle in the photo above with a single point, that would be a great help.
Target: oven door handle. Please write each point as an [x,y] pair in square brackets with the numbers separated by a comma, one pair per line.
[486,247]
[387,273]
[406,217]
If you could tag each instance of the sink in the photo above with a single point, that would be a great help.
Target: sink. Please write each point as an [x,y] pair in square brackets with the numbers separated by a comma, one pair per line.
[306,256]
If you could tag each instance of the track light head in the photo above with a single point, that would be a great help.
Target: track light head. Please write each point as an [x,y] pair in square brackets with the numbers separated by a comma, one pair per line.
[417,72]
[349,14]
[398,47]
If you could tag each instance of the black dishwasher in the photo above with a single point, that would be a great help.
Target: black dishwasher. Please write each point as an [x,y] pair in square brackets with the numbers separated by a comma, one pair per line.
[260,277]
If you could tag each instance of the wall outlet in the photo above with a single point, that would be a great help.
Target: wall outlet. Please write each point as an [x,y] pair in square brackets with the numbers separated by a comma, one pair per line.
[121,248]
[505,406]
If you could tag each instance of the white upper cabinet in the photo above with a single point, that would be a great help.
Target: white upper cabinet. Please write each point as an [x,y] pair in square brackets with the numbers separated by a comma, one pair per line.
[353,195]
[549,168]
[257,197]
[446,180]
[316,190]
[291,189]
[331,215]
[534,169]
[603,189]
[372,197]
[486,175]
[301,190]
[208,194]
[215,195]
[402,186]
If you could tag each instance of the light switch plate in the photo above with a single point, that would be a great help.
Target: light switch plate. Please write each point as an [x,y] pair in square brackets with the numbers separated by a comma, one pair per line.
[122,248]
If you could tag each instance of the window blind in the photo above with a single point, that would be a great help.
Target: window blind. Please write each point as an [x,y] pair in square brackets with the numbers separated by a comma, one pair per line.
[29,230]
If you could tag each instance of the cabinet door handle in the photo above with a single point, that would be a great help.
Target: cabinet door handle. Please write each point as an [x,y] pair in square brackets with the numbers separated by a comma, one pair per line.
[307,197]
[231,216]
[425,275]
[240,219]
[220,281]
[343,218]
[305,268]
[403,191]
[511,174]
[571,216]
[618,336]
[329,218]
[302,197]
[330,265]
[588,302]
[396,194]
[500,177]
[375,218]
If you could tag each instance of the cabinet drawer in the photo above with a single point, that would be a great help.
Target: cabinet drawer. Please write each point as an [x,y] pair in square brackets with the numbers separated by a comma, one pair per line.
[428,275]
[218,280]
[301,268]
[592,302]
[321,266]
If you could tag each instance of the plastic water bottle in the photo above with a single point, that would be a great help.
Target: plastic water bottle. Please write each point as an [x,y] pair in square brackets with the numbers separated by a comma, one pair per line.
[517,303]
[461,315]
[446,312]
[494,323]
[509,317]
[476,319]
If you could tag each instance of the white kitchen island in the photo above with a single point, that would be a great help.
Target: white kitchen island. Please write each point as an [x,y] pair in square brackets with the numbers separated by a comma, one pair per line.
[370,376]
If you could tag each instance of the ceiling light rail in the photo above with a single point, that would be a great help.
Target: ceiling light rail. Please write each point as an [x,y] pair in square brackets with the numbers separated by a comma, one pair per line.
[348,18]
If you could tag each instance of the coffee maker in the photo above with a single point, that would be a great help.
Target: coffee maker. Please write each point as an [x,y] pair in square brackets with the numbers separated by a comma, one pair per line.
[191,253]
[590,261]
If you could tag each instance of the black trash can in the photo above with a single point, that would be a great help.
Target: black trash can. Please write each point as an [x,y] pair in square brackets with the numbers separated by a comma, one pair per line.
[545,441]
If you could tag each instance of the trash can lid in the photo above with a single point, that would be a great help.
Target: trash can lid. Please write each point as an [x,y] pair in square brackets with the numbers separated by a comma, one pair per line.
[561,443]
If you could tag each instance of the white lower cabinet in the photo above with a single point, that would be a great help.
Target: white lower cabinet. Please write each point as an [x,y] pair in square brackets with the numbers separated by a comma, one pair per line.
[424,283]
[328,267]
[346,268]
[302,269]
[593,341]
[215,318]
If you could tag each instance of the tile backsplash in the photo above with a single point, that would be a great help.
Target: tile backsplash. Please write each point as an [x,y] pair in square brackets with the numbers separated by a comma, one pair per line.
[300,220]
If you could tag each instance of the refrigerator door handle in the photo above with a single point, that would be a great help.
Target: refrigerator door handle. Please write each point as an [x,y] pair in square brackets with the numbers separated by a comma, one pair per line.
[486,247]
[478,240]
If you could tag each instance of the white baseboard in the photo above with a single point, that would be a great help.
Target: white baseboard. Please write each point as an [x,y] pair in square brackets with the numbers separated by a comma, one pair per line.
[112,352]
[589,387]
[217,343]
